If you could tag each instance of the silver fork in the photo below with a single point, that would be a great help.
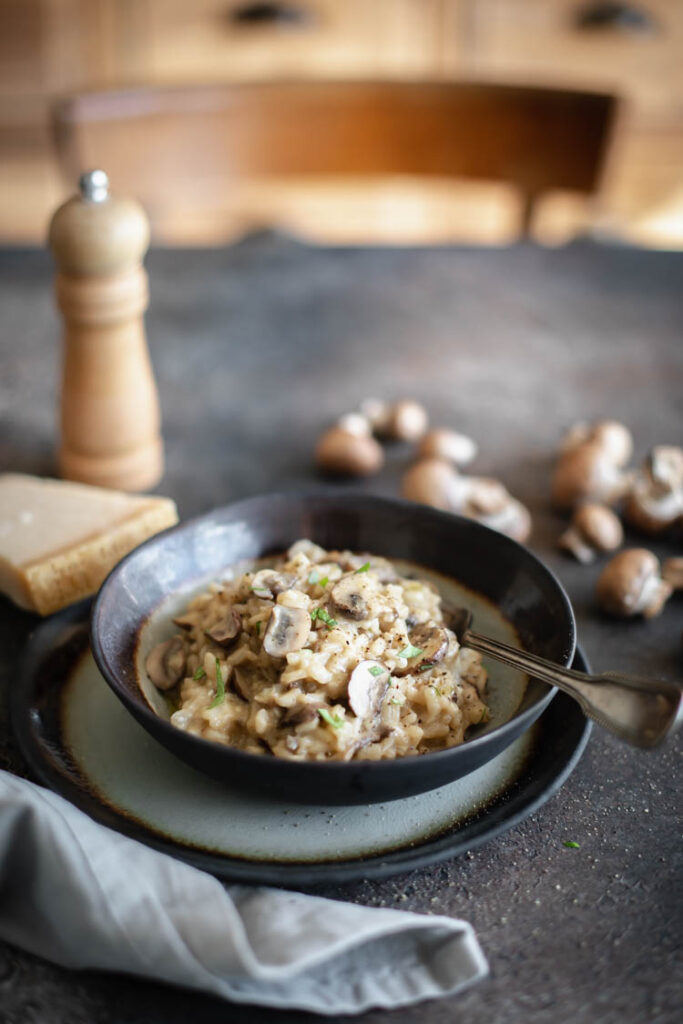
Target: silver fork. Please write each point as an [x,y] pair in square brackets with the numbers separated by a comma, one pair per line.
[642,712]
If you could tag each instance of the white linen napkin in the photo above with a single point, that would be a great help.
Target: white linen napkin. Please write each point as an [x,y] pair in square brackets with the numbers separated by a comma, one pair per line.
[84,896]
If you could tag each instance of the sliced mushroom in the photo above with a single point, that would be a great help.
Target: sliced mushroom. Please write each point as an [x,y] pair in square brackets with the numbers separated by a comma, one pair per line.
[287,631]
[225,632]
[349,595]
[301,713]
[593,528]
[239,683]
[368,685]
[165,663]
[432,642]
[268,583]
[631,584]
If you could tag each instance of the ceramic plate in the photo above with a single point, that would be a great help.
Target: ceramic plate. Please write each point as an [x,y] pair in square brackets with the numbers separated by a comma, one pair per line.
[82,742]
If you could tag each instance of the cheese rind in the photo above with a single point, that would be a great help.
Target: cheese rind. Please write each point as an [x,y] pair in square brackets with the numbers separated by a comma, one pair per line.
[58,540]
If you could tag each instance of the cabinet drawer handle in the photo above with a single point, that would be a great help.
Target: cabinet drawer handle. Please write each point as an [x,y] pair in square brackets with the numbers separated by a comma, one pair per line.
[605,14]
[252,15]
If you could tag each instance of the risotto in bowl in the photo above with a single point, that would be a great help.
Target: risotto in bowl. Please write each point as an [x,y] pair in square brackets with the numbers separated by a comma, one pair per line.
[301,644]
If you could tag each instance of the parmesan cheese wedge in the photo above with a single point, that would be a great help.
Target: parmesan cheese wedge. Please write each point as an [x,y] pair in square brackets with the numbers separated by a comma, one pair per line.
[58,540]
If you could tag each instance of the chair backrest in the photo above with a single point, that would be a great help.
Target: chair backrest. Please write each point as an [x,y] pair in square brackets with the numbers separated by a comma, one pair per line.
[172,145]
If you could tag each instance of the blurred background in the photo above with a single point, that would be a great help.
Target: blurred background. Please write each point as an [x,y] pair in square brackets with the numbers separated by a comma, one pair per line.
[404,121]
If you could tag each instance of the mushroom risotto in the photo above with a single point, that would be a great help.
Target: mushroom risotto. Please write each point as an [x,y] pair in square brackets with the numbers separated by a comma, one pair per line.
[323,655]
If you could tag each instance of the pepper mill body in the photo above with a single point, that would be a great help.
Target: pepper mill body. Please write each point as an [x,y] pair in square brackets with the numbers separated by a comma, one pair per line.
[109,415]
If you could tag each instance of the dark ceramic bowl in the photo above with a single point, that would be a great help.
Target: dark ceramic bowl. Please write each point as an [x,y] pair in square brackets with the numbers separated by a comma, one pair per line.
[510,590]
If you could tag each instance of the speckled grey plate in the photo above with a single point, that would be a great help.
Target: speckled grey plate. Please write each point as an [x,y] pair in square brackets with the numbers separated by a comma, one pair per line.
[82,742]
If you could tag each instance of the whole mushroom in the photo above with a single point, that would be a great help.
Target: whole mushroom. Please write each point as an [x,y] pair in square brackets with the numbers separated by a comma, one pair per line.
[593,528]
[437,483]
[430,482]
[442,443]
[587,472]
[613,437]
[655,501]
[287,631]
[407,420]
[491,504]
[342,452]
[631,584]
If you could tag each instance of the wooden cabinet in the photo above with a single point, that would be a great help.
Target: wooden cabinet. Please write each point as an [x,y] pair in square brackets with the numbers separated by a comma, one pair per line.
[570,42]
[633,49]
[49,48]
[228,40]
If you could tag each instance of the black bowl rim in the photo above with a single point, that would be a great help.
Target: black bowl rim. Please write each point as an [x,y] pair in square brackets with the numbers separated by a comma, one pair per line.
[339,769]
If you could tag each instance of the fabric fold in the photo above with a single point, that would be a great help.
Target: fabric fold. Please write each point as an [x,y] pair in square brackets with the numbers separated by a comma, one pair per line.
[83,896]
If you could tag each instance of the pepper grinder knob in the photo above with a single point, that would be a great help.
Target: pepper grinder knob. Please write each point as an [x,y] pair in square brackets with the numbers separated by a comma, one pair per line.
[109,417]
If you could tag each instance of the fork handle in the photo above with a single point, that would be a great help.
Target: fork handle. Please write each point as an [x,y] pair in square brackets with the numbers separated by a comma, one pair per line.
[642,712]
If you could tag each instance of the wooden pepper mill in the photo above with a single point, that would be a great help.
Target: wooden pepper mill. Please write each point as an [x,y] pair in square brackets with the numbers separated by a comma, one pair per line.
[110,424]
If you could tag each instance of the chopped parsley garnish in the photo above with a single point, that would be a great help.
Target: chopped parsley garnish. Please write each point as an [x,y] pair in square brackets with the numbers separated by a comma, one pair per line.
[376,670]
[397,700]
[410,652]
[199,674]
[261,590]
[425,666]
[363,568]
[571,844]
[220,687]
[324,581]
[258,628]
[320,613]
[436,690]
[334,720]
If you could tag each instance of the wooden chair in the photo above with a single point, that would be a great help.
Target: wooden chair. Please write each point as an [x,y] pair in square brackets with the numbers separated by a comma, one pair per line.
[191,149]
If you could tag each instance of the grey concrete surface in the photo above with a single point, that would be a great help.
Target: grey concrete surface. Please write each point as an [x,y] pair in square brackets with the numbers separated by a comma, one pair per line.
[256,348]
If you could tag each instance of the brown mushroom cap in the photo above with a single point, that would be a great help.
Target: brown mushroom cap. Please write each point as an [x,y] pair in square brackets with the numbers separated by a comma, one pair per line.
[342,453]
[367,689]
[287,630]
[631,584]
[613,437]
[448,445]
[584,473]
[268,583]
[225,632]
[165,663]
[430,481]
[431,641]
